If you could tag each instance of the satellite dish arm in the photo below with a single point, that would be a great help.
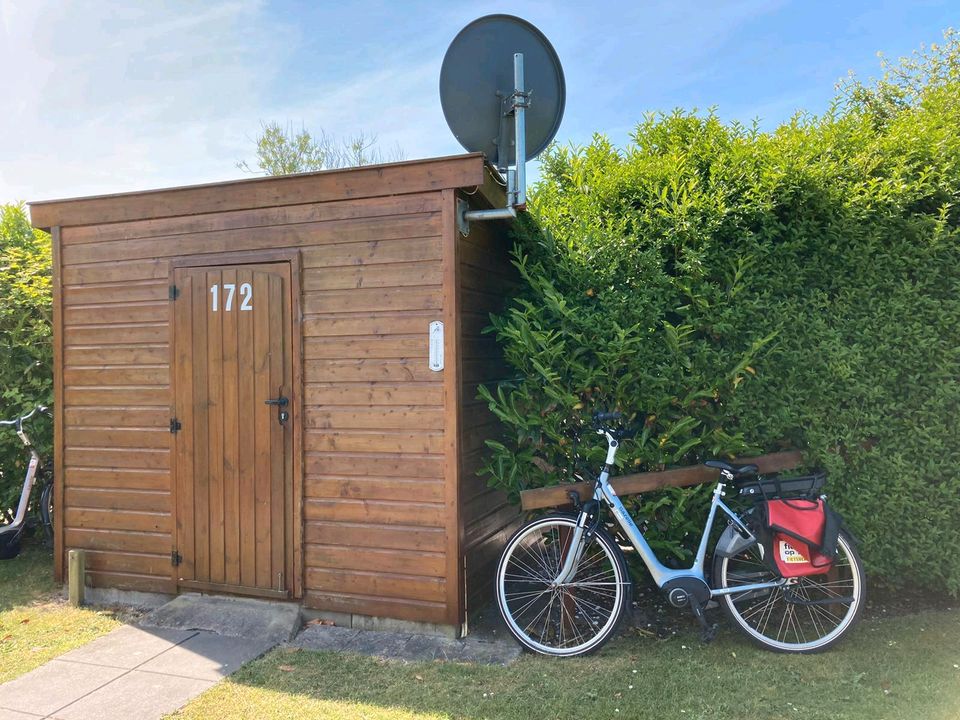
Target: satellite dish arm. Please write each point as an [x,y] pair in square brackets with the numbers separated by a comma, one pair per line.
[516,191]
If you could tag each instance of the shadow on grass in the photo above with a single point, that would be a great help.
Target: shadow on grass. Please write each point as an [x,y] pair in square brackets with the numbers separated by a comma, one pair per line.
[906,667]
[28,577]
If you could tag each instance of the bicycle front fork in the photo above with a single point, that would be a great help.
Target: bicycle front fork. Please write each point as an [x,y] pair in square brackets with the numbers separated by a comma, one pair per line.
[573,551]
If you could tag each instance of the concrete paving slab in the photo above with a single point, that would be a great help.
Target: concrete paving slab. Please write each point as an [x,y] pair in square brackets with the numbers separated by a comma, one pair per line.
[135,696]
[54,685]
[404,646]
[324,637]
[236,617]
[207,656]
[426,648]
[14,715]
[128,646]
[501,652]
[379,644]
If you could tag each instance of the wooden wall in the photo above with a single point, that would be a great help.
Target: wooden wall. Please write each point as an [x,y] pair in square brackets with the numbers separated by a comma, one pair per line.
[375,527]
[487,281]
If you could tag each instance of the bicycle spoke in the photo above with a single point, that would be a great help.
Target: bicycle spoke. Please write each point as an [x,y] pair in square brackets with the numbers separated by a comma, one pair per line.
[574,617]
[804,614]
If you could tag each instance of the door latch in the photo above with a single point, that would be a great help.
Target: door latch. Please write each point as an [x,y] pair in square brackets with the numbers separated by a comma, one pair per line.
[281,402]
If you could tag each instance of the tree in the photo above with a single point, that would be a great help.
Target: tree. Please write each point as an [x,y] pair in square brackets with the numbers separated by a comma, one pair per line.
[282,151]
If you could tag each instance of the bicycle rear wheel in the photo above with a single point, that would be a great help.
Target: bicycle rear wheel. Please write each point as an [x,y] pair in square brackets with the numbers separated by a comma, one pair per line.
[570,619]
[807,615]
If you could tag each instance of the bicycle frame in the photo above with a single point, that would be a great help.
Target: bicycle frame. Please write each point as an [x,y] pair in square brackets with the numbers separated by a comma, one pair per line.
[32,468]
[661,574]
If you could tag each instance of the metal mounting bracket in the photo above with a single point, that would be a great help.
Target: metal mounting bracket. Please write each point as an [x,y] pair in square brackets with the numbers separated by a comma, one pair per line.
[515,105]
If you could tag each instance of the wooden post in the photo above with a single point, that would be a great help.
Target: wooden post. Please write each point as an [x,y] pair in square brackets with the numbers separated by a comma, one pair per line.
[77,561]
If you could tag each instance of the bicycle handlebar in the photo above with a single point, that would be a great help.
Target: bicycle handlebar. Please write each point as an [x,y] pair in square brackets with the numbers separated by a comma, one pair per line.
[16,421]
[604,416]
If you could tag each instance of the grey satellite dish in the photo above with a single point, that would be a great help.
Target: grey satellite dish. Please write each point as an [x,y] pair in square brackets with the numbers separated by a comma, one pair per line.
[502,92]
[477,76]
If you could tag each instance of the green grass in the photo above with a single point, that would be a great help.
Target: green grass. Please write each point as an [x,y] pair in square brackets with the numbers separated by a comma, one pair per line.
[36,623]
[903,667]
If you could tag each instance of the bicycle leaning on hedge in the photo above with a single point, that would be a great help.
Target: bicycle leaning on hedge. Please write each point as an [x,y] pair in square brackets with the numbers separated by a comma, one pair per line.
[37,476]
[562,582]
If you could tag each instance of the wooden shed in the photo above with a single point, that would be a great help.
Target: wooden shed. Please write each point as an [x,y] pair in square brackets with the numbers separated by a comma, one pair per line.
[244,397]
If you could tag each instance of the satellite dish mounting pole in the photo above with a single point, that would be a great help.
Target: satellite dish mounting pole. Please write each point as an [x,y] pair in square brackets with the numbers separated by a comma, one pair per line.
[520,102]
[517,190]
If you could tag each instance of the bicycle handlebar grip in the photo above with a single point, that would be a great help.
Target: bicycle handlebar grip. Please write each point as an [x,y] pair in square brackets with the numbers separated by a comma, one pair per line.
[604,416]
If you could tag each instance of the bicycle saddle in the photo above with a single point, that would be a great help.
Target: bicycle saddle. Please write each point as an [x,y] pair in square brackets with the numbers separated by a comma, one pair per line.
[749,469]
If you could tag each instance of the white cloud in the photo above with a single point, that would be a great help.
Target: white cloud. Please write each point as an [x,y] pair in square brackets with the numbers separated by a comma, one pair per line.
[113,98]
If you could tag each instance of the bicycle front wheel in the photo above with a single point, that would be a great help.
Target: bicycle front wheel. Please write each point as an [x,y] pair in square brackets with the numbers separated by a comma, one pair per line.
[576,617]
[807,615]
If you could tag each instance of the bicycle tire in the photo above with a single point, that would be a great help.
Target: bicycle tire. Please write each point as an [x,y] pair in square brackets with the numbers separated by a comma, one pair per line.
[794,622]
[588,609]
[46,511]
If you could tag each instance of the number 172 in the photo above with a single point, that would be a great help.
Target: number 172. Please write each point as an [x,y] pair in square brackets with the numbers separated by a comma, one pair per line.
[229,289]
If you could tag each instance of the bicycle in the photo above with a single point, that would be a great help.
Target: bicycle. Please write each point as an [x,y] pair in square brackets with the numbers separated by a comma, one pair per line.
[37,475]
[563,585]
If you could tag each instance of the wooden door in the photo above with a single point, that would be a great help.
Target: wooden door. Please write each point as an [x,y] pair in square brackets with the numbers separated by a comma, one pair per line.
[232,360]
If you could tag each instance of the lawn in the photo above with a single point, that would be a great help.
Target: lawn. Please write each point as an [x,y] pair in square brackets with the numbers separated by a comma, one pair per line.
[36,622]
[891,667]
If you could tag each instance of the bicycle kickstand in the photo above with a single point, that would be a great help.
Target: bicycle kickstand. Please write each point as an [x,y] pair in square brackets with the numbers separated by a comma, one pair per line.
[707,632]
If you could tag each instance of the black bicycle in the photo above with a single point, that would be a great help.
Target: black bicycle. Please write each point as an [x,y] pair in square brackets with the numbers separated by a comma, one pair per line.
[40,478]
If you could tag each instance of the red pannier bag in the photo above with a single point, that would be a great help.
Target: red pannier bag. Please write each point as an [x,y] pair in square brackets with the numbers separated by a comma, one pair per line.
[804,536]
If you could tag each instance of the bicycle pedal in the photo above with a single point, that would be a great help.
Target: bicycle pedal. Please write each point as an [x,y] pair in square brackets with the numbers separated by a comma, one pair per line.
[708,634]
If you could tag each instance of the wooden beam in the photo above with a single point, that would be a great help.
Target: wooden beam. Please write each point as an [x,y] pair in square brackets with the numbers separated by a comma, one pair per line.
[413,176]
[645,482]
[59,471]
[451,434]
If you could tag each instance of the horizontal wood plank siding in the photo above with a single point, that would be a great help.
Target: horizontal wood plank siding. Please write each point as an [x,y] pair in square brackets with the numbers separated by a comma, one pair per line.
[487,281]
[373,426]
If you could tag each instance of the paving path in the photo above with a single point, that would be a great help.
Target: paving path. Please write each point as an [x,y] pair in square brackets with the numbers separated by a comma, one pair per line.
[146,671]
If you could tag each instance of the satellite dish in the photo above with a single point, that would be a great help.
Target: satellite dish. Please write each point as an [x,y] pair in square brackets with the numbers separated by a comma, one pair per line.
[477,84]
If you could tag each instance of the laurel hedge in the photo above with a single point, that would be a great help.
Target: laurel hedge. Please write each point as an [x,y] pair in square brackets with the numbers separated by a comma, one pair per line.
[739,291]
[26,355]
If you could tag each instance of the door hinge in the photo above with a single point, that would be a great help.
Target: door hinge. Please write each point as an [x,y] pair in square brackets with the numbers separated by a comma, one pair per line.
[174,292]
[174,425]
[175,558]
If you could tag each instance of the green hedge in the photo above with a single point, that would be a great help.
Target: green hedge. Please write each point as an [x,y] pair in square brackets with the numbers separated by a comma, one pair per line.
[743,291]
[26,356]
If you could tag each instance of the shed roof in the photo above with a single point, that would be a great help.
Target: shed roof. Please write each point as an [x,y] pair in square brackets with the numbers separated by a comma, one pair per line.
[412,176]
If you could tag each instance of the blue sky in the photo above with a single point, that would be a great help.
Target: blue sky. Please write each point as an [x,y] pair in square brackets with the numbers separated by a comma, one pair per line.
[109,97]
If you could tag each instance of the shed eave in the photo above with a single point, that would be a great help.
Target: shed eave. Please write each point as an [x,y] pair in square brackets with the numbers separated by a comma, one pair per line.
[411,176]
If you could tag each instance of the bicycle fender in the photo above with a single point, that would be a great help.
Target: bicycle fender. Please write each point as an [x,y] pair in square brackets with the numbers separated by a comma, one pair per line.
[732,542]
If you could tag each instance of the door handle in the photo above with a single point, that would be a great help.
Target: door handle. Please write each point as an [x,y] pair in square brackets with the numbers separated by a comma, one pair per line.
[281,402]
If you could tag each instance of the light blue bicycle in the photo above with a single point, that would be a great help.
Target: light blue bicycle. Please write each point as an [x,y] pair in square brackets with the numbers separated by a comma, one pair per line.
[563,584]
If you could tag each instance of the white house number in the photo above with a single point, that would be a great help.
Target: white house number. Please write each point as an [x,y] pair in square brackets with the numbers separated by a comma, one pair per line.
[228,291]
